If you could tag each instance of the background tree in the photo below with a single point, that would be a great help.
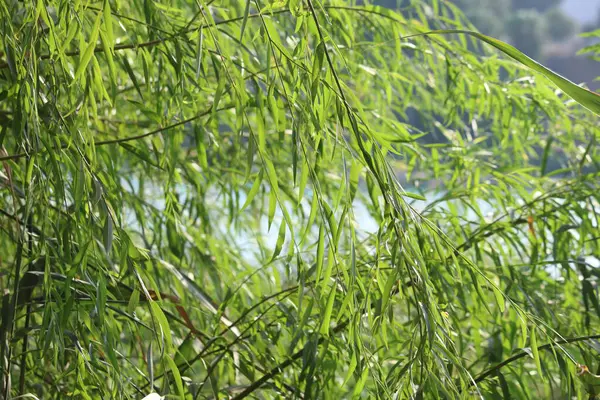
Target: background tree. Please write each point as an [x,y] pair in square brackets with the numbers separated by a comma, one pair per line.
[539,5]
[559,26]
[488,16]
[526,30]
[228,199]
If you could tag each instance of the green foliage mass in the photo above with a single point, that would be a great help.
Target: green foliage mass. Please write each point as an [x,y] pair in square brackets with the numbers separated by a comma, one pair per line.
[226,199]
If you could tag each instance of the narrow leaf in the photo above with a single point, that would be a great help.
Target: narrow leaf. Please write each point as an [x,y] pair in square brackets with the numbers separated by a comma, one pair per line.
[89,51]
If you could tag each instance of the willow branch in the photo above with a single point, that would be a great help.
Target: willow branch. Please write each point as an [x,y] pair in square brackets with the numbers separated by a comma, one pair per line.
[281,366]
[152,43]
[127,138]
[173,36]
[518,356]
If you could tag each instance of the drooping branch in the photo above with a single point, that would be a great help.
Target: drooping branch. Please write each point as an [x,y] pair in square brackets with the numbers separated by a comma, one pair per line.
[281,366]
[175,35]
[129,138]
[152,43]
[518,356]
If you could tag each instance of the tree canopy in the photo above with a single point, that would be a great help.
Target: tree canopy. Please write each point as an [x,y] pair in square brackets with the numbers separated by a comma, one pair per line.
[528,24]
[301,199]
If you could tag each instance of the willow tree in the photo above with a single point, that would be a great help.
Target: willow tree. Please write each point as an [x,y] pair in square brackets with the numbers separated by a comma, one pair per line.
[296,199]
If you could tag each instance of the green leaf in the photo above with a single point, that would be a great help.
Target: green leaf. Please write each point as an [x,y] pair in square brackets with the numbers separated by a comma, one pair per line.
[158,313]
[108,233]
[535,351]
[351,369]
[253,191]
[218,95]
[273,35]
[320,251]
[134,300]
[141,153]
[272,207]
[499,298]
[280,240]
[88,53]
[131,74]
[199,51]
[108,53]
[545,155]
[360,384]
[108,24]
[101,299]
[176,376]
[245,20]
[328,269]
[316,68]
[324,330]
[414,196]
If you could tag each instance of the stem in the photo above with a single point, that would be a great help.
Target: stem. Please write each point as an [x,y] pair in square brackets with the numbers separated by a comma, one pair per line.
[152,43]
[281,366]
[11,314]
[128,138]
[518,356]
[28,312]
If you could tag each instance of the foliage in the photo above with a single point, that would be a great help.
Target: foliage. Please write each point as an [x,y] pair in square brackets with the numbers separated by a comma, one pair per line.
[211,199]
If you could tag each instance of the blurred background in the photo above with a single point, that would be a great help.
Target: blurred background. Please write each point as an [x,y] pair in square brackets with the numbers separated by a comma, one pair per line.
[546,30]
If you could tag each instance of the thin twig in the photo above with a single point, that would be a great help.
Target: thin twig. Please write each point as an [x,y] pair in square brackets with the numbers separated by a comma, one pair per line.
[281,366]
[509,360]
[128,138]
[152,43]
